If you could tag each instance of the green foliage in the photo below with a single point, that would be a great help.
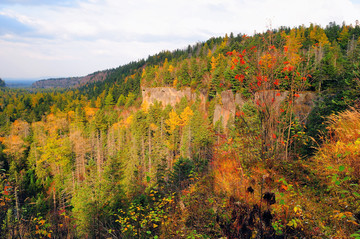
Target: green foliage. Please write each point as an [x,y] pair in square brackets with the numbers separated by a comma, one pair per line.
[145,216]
[121,101]
[182,172]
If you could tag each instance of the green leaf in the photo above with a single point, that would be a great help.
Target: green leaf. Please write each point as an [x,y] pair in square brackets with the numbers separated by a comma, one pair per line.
[148,232]
[356,194]
[337,182]
[341,168]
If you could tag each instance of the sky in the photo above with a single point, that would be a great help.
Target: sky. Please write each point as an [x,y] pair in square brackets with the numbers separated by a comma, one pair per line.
[62,38]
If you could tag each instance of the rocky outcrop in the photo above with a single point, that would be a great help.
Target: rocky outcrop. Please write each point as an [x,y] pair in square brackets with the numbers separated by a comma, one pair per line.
[226,107]
[228,101]
[171,96]
[71,82]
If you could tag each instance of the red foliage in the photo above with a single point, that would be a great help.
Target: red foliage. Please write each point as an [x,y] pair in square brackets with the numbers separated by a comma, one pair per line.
[240,77]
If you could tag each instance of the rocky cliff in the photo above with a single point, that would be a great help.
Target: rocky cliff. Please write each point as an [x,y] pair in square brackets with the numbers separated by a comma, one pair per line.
[171,96]
[226,107]
[228,101]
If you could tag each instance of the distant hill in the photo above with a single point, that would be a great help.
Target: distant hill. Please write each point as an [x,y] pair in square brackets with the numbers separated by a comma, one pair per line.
[70,82]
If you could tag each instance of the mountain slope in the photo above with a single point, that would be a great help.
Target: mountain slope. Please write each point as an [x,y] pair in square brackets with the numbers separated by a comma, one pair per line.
[70,82]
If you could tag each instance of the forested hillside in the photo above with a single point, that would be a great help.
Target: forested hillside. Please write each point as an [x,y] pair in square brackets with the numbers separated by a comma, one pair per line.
[99,162]
[71,82]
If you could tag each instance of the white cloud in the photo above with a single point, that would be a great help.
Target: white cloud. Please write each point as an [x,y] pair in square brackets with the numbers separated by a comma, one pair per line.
[77,39]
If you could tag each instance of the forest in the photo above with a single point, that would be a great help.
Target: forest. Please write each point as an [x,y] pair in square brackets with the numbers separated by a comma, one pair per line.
[100,162]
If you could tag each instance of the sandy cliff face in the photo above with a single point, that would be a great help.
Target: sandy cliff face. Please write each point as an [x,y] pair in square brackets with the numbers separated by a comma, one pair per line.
[225,110]
[226,106]
[170,96]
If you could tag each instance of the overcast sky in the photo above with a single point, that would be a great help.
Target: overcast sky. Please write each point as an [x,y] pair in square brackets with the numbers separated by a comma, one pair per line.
[59,38]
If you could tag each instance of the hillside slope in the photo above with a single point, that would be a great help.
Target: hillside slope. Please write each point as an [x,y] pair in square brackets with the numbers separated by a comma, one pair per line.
[71,82]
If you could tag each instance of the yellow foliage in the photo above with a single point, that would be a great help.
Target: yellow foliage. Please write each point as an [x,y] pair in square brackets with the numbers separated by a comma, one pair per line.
[213,63]
[225,42]
[318,34]
[166,62]
[129,120]
[71,114]
[117,125]
[175,82]
[268,61]
[153,126]
[173,121]
[185,116]
[209,53]
[143,73]
[145,106]
[293,44]
[344,34]
[14,146]
[342,146]
[90,112]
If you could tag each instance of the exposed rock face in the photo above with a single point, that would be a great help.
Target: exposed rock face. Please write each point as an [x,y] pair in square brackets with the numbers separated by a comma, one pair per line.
[304,104]
[225,110]
[71,81]
[226,107]
[170,96]
[272,98]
